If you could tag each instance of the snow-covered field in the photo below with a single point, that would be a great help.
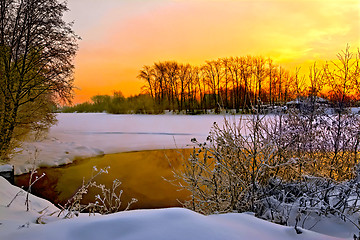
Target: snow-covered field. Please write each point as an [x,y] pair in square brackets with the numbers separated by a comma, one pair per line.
[85,135]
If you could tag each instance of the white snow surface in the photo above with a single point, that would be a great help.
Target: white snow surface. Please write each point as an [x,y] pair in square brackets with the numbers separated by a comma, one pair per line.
[162,224]
[6,168]
[83,135]
[86,135]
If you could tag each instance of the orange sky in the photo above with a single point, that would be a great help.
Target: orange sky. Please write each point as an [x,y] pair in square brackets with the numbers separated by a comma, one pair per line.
[119,37]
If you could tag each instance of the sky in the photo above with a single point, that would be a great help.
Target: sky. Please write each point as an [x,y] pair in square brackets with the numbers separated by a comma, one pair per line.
[119,37]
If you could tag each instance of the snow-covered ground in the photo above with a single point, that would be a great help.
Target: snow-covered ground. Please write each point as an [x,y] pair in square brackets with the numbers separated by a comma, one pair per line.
[161,224]
[83,135]
[355,110]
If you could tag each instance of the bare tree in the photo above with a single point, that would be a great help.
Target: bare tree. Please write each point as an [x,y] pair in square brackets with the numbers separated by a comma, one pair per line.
[184,81]
[316,81]
[213,73]
[260,73]
[36,52]
[147,74]
[342,77]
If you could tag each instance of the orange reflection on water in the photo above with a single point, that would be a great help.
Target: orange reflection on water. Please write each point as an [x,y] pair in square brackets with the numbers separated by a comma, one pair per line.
[141,173]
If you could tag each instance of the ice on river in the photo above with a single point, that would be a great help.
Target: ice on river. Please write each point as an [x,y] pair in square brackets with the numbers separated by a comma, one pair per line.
[83,135]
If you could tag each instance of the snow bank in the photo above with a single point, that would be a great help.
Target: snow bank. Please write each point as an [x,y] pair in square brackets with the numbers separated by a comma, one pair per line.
[15,217]
[6,168]
[50,152]
[175,224]
[355,110]
[83,135]
[172,223]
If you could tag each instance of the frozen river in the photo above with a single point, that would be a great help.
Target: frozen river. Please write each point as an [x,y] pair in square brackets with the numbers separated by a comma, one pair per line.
[83,135]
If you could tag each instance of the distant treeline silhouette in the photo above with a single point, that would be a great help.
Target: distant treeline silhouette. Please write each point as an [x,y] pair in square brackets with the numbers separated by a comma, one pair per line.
[232,83]
[239,84]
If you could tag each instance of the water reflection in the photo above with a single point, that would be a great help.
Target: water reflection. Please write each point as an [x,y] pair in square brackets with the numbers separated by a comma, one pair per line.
[141,173]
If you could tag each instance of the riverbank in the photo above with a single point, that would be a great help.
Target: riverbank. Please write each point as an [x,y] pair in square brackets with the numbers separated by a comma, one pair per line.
[107,133]
[41,223]
[85,135]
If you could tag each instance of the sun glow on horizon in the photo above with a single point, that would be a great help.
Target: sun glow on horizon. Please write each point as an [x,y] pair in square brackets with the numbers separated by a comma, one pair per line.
[120,37]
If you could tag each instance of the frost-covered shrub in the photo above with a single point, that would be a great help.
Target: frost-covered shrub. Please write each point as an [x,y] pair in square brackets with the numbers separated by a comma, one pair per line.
[287,168]
[108,201]
[228,171]
[305,203]
[323,145]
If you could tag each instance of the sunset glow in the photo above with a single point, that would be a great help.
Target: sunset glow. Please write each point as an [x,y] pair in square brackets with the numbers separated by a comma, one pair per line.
[119,37]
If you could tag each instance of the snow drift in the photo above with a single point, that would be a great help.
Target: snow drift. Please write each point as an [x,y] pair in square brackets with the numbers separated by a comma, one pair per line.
[171,223]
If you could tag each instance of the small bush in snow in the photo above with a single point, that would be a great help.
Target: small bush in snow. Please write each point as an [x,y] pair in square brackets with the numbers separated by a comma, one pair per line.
[108,201]
[290,169]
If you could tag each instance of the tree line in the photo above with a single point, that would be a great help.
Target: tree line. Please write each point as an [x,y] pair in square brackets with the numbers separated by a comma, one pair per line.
[115,104]
[241,83]
[236,84]
[232,83]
